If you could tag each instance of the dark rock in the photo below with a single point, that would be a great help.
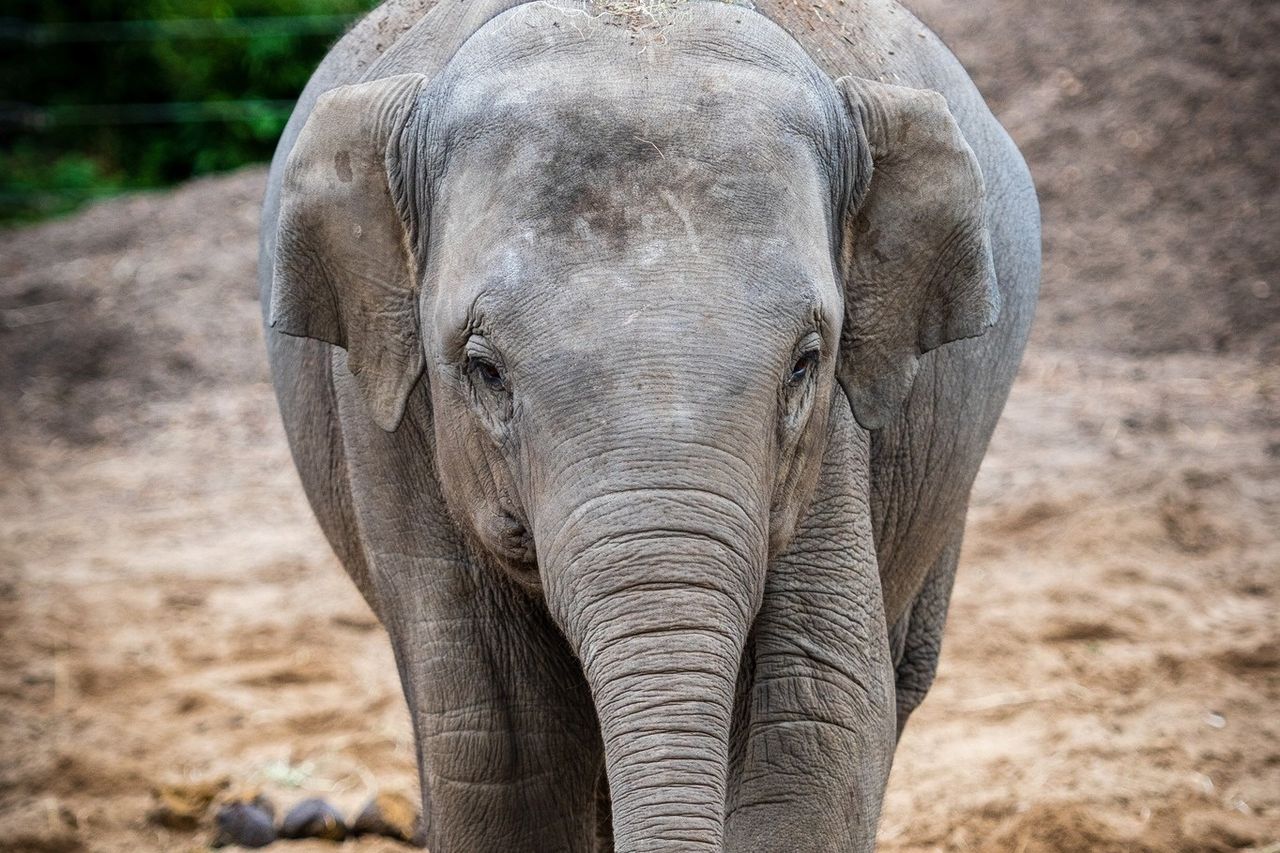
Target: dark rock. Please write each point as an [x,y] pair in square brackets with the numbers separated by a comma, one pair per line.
[313,818]
[247,824]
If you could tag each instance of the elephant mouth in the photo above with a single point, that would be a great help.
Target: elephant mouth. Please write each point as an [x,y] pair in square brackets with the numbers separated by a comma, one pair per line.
[516,550]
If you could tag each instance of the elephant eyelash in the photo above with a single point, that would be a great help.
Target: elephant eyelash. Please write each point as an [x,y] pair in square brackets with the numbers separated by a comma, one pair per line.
[480,356]
[808,354]
[798,386]
[803,367]
[487,372]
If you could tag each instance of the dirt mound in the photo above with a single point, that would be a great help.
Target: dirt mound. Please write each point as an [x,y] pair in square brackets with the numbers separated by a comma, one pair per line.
[1152,132]
[134,301]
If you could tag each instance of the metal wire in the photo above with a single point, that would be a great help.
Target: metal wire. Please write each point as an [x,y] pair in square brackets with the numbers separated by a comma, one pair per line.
[12,29]
[33,118]
[175,112]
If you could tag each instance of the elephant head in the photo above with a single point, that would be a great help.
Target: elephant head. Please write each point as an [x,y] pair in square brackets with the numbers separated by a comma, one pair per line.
[647,289]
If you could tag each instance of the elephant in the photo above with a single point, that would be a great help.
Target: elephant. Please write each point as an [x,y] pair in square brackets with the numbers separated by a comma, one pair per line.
[637,359]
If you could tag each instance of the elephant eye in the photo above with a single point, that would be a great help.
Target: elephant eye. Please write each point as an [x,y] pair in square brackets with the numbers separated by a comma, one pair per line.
[483,363]
[488,372]
[804,365]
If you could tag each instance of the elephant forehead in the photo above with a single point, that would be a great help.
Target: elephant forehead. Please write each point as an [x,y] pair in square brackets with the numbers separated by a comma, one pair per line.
[601,185]
[605,139]
[633,181]
[633,258]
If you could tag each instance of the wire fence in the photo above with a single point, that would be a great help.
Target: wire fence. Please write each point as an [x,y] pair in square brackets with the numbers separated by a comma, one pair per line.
[20,118]
[28,32]
[40,34]
[32,117]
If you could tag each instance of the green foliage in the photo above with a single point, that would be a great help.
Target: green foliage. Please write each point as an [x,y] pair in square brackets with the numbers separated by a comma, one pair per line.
[100,96]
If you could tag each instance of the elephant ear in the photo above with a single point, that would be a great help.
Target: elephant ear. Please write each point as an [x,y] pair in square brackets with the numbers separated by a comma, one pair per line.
[917,255]
[345,269]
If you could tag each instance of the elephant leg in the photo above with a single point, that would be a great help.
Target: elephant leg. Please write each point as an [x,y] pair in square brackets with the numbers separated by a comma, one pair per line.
[916,640]
[814,737]
[508,746]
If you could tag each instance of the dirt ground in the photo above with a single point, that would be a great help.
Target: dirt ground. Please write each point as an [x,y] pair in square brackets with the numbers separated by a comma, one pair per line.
[1111,675]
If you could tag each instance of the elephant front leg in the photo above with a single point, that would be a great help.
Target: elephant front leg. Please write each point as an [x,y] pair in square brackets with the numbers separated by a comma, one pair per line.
[814,745]
[508,747]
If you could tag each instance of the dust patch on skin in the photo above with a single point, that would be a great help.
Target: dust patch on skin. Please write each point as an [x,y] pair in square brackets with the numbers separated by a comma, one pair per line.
[652,19]
[691,233]
[342,166]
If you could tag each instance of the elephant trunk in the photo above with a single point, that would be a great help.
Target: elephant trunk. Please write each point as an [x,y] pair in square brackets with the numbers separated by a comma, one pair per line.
[664,696]
[658,611]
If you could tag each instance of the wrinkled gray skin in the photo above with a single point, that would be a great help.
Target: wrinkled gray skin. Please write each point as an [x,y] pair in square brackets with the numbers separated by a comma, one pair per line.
[639,381]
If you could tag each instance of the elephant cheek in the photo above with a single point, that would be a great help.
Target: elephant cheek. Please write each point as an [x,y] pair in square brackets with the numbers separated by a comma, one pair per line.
[480,491]
[800,468]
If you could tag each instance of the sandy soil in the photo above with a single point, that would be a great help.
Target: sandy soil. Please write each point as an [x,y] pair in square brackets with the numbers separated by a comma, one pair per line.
[1111,676]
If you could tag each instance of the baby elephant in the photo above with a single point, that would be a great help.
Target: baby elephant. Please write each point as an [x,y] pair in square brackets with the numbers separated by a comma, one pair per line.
[638,362]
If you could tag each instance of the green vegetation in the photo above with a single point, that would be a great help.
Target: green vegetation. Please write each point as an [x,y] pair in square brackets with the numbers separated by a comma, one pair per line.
[101,96]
